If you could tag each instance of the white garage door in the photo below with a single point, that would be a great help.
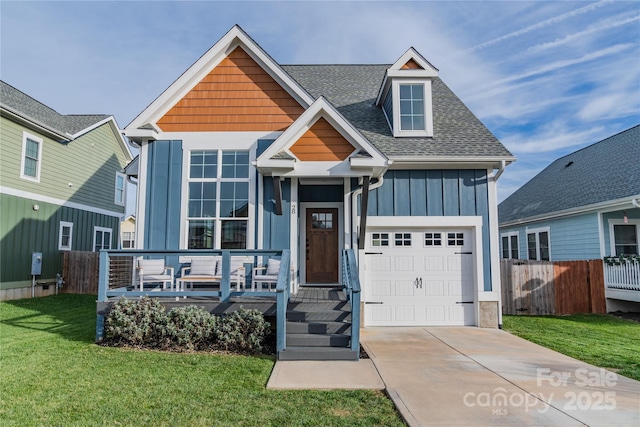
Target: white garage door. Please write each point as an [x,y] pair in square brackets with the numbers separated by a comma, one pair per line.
[419,277]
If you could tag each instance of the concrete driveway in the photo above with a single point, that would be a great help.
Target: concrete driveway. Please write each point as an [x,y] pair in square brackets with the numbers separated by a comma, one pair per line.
[461,376]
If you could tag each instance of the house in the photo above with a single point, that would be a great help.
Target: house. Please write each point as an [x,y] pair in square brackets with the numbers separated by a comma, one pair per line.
[128,232]
[62,190]
[585,205]
[241,152]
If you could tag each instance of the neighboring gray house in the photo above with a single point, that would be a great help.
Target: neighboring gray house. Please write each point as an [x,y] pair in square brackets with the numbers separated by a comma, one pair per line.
[585,205]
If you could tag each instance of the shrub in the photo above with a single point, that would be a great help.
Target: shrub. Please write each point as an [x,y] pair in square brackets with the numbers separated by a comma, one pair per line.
[140,323]
[191,328]
[242,331]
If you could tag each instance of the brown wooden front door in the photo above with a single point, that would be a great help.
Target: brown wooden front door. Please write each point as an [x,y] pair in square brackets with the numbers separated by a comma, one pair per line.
[322,245]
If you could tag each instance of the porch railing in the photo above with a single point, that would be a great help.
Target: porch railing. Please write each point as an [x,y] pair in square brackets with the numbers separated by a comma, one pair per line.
[109,288]
[351,285]
[625,276]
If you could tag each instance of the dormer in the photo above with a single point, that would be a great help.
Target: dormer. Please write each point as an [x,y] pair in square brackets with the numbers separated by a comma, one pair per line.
[405,96]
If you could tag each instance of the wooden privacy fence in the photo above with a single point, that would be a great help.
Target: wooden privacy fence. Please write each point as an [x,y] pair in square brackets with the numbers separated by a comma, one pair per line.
[544,288]
[81,270]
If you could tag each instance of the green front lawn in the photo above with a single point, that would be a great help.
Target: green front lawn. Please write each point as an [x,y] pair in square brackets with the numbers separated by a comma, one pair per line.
[52,374]
[599,339]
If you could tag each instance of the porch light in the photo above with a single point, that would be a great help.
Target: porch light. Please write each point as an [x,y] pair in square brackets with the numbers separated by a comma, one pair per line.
[624,217]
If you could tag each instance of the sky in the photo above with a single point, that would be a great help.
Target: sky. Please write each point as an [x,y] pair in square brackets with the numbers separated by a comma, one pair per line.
[546,77]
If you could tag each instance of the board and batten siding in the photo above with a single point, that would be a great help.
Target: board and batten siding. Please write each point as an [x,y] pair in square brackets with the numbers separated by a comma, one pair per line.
[237,95]
[81,171]
[24,231]
[163,194]
[446,192]
[276,228]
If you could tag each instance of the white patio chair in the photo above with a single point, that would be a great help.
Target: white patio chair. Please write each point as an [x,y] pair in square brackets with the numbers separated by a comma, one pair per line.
[201,269]
[154,271]
[268,277]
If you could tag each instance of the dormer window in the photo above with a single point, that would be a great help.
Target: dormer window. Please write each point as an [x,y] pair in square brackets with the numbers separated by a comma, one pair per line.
[405,96]
[411,106]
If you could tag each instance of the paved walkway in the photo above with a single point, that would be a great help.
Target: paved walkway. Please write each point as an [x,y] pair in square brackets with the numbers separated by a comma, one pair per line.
[461,376]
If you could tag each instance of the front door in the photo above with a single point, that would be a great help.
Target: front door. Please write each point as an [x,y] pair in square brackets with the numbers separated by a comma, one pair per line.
[322,245]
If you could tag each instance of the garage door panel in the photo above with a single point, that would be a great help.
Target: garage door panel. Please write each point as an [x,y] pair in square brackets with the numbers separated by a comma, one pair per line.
[381,288]
[380,263]
[405,288]
[404,263]
[434,288]
[380,314]
[434,313]
[405,313]
[434,263]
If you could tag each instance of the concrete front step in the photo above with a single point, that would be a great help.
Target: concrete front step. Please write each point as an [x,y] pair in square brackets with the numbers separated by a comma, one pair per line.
[317,353]
[318,327]
[317,340]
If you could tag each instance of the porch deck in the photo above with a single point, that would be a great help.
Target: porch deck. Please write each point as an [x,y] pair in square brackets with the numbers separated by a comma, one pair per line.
[318,295]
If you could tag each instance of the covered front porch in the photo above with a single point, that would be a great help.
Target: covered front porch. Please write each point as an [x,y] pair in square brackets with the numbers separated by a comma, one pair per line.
[306,327]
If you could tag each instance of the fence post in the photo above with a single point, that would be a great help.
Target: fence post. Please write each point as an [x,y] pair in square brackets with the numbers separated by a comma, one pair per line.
[103,285]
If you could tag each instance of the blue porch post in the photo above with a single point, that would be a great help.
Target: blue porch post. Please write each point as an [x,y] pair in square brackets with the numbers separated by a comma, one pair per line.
[225,282]
[282,298]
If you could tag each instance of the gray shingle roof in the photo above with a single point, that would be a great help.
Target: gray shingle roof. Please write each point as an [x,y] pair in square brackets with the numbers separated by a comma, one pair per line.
[353,89]
[22,104]
[606,170]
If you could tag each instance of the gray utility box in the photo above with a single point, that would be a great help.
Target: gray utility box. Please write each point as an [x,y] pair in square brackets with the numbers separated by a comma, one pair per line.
[36,263]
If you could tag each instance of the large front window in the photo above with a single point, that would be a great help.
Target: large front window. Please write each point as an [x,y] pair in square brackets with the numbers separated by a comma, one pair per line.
[218,205]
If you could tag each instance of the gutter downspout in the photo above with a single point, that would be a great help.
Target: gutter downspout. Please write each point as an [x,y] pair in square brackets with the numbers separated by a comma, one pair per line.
[503,165]
[354,209]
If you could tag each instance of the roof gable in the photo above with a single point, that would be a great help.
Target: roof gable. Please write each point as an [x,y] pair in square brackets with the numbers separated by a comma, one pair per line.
[322,142]
[156,113]
[602,172]
[237,95]
[321,134]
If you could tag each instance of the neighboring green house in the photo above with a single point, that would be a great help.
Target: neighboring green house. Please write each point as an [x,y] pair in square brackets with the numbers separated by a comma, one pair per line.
[61,188]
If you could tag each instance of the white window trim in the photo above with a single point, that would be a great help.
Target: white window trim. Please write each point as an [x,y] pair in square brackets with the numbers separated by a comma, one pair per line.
[40,142]
[509,235]
[104,230]
[226,142]
[62,225]
[537,232]
[124,189]
[612,237]
[428,108]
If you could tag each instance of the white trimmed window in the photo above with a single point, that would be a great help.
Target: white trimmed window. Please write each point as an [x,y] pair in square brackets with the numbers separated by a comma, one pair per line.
[408,108]
[65,237]
[218,199]
[31,157]
[538,244]
[128,238]
[101,238]
[120,189]
[625,237]
[510,245]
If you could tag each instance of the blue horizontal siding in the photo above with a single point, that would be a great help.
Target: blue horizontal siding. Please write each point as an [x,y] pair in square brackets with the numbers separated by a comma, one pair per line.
[571,238]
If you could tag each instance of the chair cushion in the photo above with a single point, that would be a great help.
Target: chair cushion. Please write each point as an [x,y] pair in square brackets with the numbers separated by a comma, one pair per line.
[236,264]
[273,267]
[151,266]
[203,266]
